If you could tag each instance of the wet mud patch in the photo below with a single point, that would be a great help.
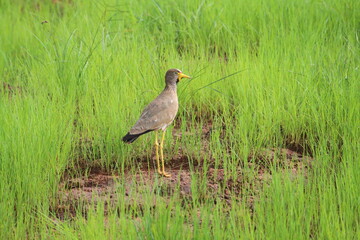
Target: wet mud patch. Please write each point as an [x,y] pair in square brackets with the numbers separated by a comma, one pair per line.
[189,178]
[281,158]
[10,90]
[130,188]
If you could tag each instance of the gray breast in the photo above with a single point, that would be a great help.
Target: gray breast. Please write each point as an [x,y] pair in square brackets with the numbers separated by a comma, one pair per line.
[158,114]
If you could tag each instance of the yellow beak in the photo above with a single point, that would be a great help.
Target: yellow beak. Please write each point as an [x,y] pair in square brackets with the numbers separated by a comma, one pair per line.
[181,75]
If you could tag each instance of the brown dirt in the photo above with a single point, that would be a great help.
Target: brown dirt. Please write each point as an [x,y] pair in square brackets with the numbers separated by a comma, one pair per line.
[10,89]
[77,193]
[100,186]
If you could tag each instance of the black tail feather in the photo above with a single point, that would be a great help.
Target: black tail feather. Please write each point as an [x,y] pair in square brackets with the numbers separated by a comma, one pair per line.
[129,138]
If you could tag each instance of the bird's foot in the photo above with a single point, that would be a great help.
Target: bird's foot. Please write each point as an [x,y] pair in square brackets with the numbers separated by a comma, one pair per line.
[163,173]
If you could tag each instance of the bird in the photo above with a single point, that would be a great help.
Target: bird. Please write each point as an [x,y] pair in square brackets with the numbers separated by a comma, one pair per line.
[158,115]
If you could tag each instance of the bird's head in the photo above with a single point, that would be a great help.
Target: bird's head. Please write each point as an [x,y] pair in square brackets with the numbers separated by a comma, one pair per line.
[174,76]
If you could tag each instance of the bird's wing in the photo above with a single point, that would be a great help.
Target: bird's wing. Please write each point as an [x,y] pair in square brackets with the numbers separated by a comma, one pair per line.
[156,115]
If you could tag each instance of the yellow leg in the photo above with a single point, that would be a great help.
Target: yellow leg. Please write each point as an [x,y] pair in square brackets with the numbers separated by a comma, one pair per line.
[162,155]
[157,152]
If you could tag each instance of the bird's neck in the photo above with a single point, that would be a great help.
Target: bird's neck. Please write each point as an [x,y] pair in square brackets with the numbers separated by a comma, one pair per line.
[170,87]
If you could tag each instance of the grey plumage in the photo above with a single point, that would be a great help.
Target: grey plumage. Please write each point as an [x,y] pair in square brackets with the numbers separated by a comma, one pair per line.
[161,112]
[158,115]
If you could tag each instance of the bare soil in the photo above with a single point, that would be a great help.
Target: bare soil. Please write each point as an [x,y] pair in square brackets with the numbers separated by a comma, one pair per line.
[75,194]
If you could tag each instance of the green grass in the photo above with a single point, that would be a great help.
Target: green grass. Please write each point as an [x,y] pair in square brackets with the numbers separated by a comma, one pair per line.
[81,80]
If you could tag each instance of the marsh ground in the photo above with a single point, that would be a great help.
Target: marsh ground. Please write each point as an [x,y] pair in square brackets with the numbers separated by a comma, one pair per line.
[265,144]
